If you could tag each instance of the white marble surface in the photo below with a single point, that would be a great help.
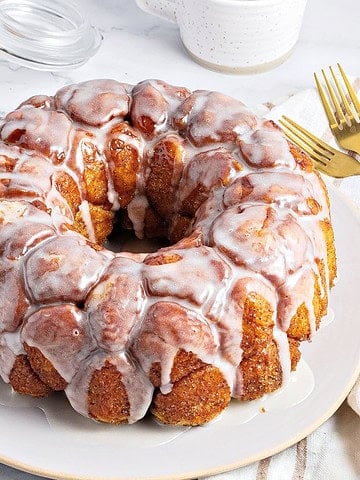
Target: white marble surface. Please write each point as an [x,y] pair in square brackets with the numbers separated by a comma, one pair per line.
[138,46]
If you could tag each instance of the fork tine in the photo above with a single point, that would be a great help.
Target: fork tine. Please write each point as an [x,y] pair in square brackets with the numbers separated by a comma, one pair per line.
[306,144]
[325,102]
[342,95]
[334,99]
[350,89]
[308,134]
[325,158]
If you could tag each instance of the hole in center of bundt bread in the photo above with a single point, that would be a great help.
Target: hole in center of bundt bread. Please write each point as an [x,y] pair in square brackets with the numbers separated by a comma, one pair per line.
[123,240]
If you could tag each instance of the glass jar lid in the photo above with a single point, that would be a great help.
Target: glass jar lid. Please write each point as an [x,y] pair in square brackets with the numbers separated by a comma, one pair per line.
[46,34]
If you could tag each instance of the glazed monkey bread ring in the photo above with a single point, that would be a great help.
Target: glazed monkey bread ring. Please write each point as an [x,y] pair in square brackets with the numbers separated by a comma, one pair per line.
[217,313]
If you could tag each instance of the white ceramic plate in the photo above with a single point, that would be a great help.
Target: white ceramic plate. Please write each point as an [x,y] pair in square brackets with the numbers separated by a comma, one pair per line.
[68,446]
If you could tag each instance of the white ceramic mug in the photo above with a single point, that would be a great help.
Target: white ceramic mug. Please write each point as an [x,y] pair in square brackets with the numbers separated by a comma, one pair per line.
[234,35]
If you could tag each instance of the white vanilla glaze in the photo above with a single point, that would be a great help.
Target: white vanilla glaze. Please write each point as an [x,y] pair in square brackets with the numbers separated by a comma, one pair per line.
[255,228]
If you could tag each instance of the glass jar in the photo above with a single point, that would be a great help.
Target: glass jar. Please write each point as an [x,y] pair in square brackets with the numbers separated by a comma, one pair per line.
[46,34]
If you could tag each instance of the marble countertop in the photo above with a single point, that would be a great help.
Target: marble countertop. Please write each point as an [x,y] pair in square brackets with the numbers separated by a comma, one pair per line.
[137,46]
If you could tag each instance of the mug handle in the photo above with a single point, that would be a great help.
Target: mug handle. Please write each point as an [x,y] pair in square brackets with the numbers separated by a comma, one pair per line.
[161,8]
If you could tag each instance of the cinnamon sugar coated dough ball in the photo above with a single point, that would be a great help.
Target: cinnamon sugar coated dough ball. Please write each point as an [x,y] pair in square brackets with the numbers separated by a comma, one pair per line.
[218,313]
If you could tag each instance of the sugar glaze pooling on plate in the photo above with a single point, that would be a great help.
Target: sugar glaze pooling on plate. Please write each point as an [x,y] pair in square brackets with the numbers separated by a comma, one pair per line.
[64,421]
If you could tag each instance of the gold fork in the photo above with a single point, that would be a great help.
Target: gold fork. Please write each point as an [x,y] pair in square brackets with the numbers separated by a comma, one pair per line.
[340,109]
[326,159]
